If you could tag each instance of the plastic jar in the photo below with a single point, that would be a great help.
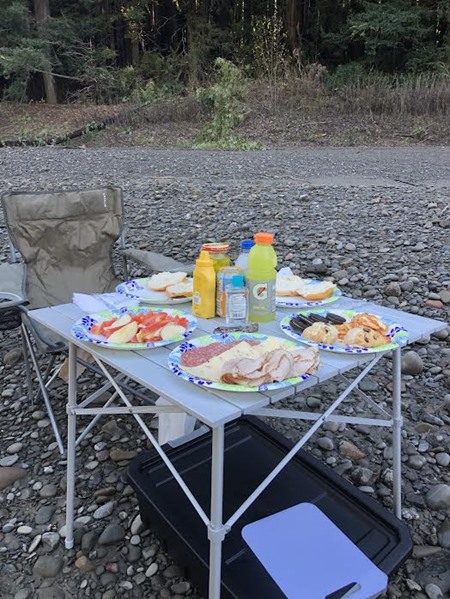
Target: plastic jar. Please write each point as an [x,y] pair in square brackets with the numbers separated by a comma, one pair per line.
[218,254]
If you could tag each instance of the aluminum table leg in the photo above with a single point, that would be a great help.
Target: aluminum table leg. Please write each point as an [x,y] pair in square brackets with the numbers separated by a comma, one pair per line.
[216,531]
[71,439]
[397,430]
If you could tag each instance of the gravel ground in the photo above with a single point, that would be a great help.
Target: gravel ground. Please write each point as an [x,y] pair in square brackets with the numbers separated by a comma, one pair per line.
[377,221]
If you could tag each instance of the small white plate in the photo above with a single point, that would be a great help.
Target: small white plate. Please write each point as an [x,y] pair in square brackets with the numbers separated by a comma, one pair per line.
[137,288]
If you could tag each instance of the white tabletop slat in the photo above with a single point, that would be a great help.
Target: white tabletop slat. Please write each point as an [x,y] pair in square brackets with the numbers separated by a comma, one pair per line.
[212,406]
[209,409]
[159,355]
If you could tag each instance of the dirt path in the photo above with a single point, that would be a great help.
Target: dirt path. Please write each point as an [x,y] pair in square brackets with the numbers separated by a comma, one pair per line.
[427,166]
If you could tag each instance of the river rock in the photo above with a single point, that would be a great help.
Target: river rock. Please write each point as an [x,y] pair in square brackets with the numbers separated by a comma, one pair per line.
[121,455]
[444,535]
[50,540]
[348,449]
[48,566]
[113,533]
[438,497]
[104,510]
[44,514]
[392,289]
[412,363]
[84,564]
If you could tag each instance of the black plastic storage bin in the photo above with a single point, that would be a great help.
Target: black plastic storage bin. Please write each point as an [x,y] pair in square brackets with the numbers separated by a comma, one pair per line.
[252,450]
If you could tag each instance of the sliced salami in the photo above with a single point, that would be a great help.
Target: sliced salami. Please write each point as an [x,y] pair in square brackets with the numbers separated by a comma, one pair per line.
[200,355]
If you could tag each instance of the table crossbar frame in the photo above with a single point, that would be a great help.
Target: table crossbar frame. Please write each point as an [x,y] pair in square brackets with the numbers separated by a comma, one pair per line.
[216,528]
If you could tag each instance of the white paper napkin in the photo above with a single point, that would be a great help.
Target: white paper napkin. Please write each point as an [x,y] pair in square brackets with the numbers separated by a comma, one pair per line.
[285,272]
[105,301]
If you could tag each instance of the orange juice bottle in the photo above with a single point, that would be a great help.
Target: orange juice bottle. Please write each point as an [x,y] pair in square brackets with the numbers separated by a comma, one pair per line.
[204,296]
[261,277]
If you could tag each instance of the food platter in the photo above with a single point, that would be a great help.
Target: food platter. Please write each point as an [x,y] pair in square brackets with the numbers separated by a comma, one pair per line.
[137,289]
[176,357]
[85,329]
[301,302]
[397,333]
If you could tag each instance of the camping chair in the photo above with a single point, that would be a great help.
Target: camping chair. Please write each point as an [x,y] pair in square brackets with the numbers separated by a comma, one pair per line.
[66,241]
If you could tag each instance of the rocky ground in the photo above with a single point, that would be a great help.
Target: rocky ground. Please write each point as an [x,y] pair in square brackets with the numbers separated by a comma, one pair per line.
[378,222]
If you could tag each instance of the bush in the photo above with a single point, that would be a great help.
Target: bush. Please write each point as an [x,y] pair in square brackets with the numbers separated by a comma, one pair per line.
[225,100]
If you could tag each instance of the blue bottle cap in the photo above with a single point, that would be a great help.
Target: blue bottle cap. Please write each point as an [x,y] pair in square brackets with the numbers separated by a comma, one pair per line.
[247,244]
[237,280]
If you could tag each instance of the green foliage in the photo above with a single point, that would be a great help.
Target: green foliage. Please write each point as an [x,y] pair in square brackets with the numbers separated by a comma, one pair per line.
[389,31]
[141,50]
[225,100]
[344,74]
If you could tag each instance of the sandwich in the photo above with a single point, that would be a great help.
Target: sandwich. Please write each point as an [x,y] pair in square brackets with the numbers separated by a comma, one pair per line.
[184,289]
[162,280]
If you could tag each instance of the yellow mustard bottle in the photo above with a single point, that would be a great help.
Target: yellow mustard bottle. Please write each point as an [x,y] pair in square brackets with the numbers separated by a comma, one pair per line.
[204,296]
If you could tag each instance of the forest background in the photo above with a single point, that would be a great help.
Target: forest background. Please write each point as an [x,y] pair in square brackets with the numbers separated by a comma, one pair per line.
[226,65]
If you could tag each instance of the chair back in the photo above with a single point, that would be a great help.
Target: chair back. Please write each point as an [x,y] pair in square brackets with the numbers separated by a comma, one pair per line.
[66,240]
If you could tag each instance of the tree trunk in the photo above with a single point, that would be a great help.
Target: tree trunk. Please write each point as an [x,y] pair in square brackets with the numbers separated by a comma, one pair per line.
[42,13]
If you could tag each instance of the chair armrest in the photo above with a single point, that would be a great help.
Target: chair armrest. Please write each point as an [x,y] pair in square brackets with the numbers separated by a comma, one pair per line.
[157,262]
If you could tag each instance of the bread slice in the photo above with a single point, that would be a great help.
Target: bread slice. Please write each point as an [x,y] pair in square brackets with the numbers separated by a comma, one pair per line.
[317,291]
[288,286]
[184,289]
[161,281]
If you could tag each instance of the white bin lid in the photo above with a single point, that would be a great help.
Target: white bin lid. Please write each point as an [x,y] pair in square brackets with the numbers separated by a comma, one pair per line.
[309,557]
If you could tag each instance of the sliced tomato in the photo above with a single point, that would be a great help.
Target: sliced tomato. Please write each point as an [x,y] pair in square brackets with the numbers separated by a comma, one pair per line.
[101,328]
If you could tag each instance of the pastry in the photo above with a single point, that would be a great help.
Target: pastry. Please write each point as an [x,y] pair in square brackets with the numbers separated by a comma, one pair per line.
[369,321]
[321,333]
[343,329]
[364,337]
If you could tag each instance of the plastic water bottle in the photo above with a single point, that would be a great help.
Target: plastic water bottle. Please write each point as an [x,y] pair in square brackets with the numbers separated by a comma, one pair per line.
[236,302]
[242,260]
[261,277]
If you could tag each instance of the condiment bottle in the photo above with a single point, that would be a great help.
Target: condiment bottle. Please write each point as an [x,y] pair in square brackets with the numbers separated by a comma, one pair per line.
[242,259]
[261,277]
[204,295]
[218,254]
[236,302]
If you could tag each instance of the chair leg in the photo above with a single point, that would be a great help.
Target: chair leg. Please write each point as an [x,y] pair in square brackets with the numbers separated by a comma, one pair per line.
[44,392]
[26,360]
[46,374]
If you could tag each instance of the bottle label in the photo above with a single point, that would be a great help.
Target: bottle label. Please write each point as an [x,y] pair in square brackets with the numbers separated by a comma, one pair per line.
[261,296]
[237,306]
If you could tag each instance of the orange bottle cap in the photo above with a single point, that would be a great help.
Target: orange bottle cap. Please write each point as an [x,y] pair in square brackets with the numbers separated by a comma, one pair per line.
[263,237]
[216,248]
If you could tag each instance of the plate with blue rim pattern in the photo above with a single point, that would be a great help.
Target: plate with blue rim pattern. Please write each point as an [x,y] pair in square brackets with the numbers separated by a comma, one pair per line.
[288,301]
[81,330]
[398,334]
[137,289]
[176,366]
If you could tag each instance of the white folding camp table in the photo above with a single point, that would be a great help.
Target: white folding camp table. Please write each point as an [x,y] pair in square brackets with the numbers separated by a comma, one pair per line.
[215,408]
